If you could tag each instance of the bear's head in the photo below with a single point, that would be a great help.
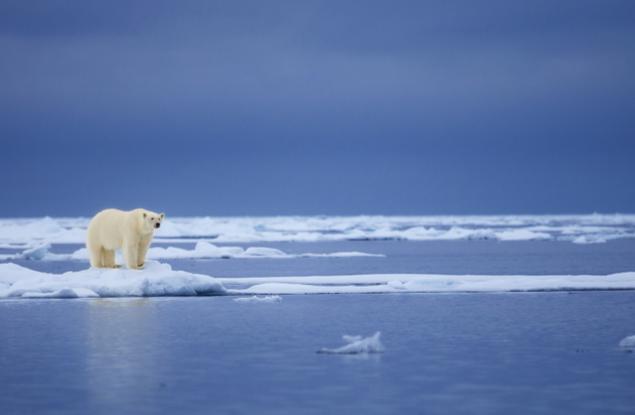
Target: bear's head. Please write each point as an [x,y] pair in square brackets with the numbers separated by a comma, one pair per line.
[151,220]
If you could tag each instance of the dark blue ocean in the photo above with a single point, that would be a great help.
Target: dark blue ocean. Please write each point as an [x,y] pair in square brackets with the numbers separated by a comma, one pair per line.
[522,353]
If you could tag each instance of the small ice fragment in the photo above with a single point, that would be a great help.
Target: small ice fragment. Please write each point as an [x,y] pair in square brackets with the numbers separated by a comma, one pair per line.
[628,343]
[257,299]
[36,253]
[357,345]
[257,251]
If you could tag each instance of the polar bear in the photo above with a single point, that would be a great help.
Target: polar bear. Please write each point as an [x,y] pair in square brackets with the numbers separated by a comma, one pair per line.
[112,229]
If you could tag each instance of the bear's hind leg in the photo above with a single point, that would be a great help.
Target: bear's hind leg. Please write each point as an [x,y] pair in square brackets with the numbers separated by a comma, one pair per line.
[108,256]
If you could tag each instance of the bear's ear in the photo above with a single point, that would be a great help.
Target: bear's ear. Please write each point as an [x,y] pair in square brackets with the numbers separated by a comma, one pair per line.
[145,215]
[162,215]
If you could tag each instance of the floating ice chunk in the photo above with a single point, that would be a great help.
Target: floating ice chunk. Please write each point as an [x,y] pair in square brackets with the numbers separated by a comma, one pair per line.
[427,283]
[155,279]
[357,345]
[592,239]
[521,235]
[257,299]
[262,252]
[38,252]
[202,249]
[286,288]
[628,343]
[345,254]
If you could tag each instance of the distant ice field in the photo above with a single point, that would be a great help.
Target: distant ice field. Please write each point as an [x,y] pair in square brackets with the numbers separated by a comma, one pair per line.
[593,228]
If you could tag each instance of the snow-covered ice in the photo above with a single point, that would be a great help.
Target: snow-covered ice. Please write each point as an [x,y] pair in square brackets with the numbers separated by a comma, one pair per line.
[357,345]
[426,283]
[156,279]
[202,250]
[38,252]
[259,299]
[593,228]
[205,249]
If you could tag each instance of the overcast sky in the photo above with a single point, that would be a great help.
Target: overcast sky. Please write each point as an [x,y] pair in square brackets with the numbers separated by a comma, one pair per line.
[317,107]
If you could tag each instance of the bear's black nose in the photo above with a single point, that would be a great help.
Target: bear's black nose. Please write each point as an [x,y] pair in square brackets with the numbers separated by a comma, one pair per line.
[156,225]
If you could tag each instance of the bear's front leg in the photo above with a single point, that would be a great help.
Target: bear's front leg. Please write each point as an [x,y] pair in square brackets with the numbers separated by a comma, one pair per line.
[144,243]
[130,252]
[108,258]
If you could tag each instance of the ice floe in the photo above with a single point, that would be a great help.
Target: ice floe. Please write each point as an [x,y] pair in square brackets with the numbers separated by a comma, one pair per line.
[259,299]
[204,249]
[357,345]
[424,283]
[593,228]
[38,252]
[158,279]
[155,279]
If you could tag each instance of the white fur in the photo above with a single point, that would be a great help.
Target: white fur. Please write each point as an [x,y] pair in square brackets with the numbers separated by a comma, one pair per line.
[112,229]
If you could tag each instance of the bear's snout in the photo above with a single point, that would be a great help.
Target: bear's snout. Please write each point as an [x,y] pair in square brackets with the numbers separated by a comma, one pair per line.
[156,225]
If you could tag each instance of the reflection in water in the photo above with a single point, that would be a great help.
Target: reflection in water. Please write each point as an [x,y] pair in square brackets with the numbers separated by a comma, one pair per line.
[365,357]
[118,329]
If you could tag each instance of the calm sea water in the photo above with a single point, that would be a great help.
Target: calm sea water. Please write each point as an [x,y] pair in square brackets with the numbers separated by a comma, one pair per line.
[445,353]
